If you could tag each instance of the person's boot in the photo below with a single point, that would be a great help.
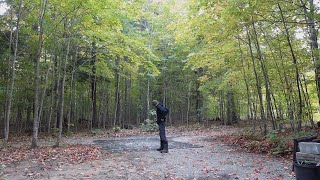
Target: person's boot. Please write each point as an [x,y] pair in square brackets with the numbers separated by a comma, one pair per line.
[161,146]
[165,147]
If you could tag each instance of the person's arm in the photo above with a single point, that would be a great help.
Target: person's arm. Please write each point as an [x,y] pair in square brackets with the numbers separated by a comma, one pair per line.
[161,108]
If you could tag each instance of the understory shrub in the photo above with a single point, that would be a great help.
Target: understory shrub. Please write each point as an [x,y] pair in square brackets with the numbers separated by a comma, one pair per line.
[279,143]
[97,131]
[116,129]
[149,126]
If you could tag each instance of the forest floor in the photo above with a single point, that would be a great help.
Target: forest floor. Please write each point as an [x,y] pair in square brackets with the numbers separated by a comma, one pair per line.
[130,154]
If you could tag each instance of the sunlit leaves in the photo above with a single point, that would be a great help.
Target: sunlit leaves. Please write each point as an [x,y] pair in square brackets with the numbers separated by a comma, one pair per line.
[217,33]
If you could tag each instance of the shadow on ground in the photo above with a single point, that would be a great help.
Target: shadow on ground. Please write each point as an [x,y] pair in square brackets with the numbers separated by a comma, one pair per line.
[140,144]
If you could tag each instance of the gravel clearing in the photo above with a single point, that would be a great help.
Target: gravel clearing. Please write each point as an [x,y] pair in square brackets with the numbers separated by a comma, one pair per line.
[188,158]
[194,157]
[197,158]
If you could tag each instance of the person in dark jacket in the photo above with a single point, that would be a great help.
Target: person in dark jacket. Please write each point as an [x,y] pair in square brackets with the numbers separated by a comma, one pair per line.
[161,121]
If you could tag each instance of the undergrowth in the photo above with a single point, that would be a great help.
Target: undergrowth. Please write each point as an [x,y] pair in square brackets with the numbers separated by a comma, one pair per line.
[149,126]
[277,142]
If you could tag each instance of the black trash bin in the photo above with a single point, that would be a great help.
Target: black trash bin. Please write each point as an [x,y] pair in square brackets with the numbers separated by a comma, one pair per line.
[306,171]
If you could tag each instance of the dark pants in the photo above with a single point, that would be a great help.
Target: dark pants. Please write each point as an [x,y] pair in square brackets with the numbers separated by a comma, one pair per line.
[162,130]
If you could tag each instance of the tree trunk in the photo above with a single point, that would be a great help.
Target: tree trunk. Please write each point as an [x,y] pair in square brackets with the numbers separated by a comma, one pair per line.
[294,59]
[71,100]
[266,80]
[246,81]
[8,91]
[61,104]
[44,91]
[313,36]
[126,103]
[258,85]
[19,120]
[221,107]
[54,113]
[104,105]
[231,109]
[117,95]
[93,88]
[36,80]
[130,118]
[148,98]
[57,95]
[308,103]
[288,91]
[13,65]
[281,78]
[189,102]
[198,97]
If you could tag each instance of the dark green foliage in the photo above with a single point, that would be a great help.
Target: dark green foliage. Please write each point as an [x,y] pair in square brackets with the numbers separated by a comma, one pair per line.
[149,126]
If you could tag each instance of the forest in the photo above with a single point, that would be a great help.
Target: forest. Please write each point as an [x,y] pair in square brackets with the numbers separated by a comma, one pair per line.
[82,65]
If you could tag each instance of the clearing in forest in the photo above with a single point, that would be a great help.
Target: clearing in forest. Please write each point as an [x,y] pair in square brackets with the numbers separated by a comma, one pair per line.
[197,154]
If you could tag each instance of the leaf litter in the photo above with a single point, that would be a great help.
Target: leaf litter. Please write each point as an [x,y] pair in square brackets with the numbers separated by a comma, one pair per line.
[80,159]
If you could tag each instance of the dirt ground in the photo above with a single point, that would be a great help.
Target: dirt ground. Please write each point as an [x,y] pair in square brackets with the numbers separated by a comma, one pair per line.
[196,155]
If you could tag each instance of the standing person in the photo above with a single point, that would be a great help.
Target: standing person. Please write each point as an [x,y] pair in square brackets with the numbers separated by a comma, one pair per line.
[161,121]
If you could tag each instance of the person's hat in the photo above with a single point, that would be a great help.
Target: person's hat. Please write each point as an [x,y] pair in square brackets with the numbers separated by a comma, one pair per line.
[155,102]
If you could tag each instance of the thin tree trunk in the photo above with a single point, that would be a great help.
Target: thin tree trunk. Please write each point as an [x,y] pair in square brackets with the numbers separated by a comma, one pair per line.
[294,59]
[164,98]
[130,100]
[148,98]
[289,93]
[19,120]
[50,114]
[255,112]
[9,62]
[189,102]
[61,105]
[307,100]
[117,95]
[93,88]
[266,81]
[126,103]
[313,36]
[221,107]
[149,29]
[229,108]
[13,66]
[104,105]
[164,91]
[44,92]
[36,81]
[29,121]
[57,86]
[282,78]
[269,93]
[70,101]
[54,92]
[246,81]
[221,101]
[258,85]
[198,98]
[6,105]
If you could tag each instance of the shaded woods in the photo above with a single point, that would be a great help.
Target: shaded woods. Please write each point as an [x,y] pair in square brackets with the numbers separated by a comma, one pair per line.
[84,65]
